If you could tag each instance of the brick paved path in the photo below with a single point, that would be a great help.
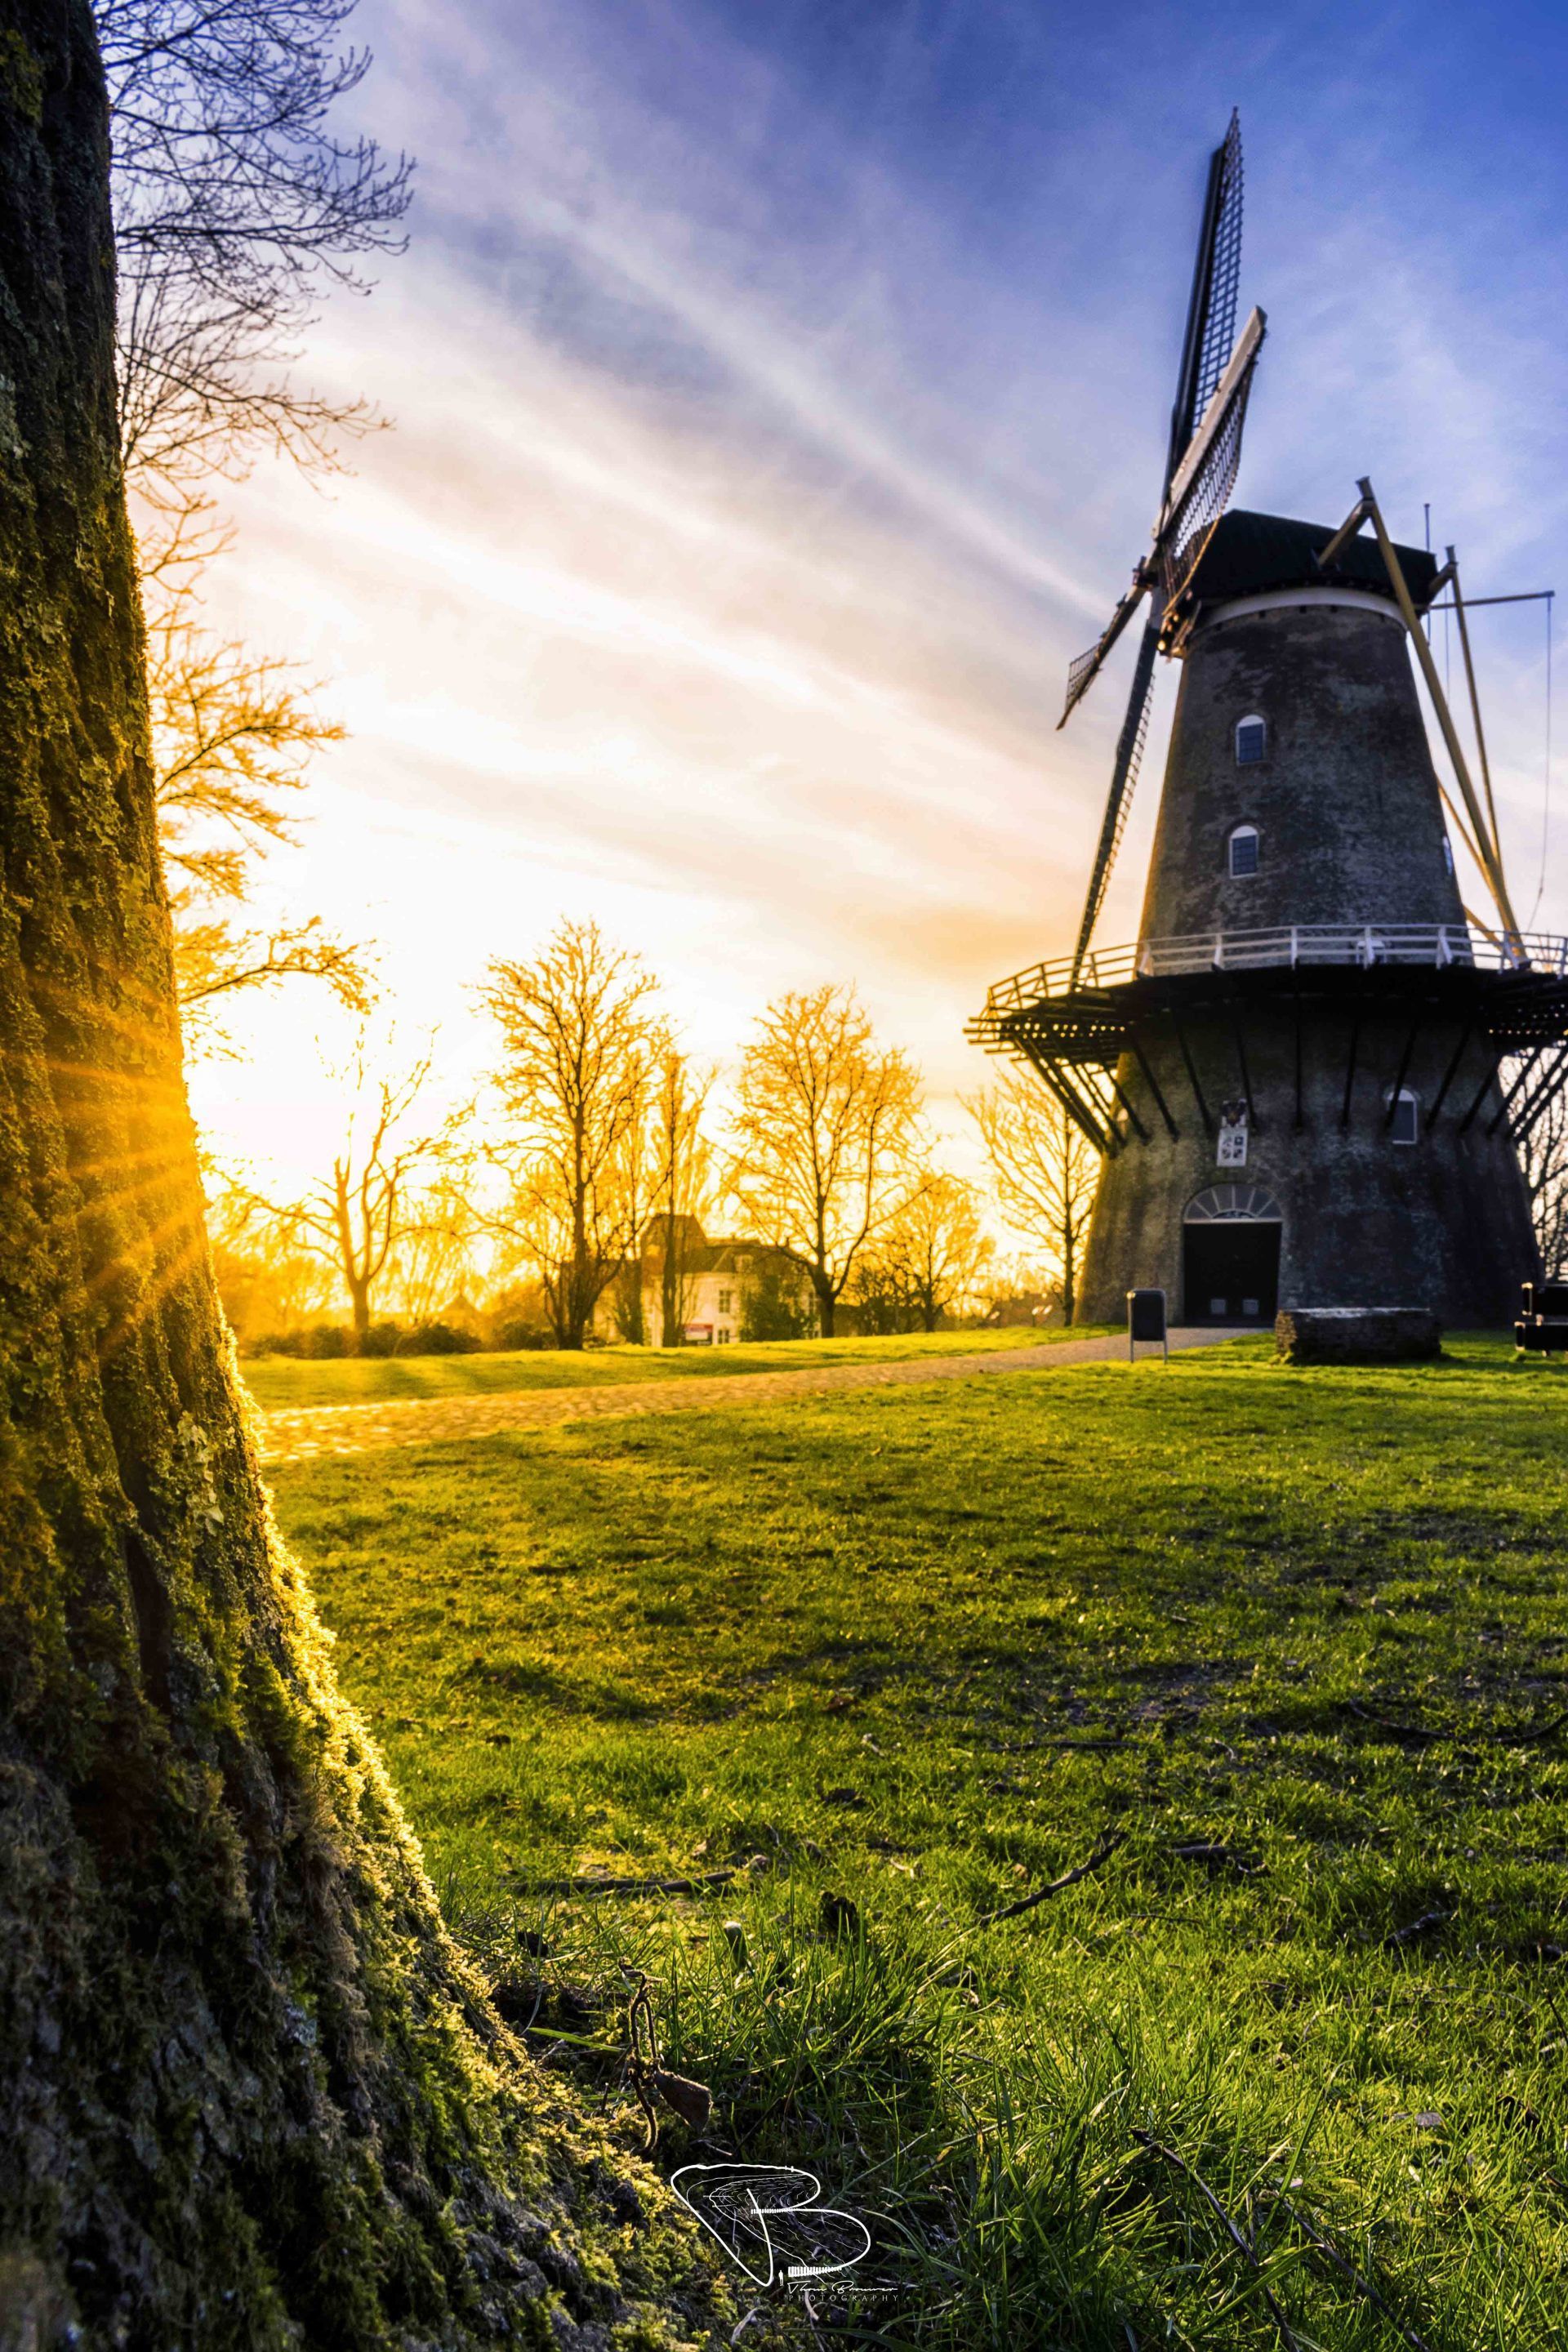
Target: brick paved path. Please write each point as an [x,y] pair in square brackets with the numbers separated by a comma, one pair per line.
[303,1433]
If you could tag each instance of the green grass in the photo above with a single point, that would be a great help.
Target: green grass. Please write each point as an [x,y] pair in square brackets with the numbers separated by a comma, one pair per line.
[277,1380]
[920,1647]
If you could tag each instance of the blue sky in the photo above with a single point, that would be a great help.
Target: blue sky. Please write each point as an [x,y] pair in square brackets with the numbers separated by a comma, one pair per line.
[780,394]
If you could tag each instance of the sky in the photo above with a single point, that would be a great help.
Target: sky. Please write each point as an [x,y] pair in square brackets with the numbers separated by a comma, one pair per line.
[777,399]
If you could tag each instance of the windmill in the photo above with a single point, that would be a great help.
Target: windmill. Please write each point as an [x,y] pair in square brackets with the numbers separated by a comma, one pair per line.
[1308,1076]
[1201,459]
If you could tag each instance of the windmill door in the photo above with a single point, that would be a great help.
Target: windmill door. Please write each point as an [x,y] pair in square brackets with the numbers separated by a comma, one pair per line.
[1230,1256]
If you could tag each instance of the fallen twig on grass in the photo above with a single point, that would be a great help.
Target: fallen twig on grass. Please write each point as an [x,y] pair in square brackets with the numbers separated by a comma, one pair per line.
[1400,1730]
[640,1885]
[1236,2236]
[1103,1852]
[1525,1736]
[1428,1921]
[1217,1857]
[1520,1735]
[1347,2270]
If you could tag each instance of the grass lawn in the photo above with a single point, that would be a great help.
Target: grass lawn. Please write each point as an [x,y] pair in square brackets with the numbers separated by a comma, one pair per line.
[1298,1638]
[278,1381]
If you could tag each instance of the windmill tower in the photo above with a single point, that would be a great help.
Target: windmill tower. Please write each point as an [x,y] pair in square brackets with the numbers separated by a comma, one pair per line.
[1309,1074]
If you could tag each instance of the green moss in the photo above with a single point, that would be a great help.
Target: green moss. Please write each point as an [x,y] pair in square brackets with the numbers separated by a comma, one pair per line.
[21,76]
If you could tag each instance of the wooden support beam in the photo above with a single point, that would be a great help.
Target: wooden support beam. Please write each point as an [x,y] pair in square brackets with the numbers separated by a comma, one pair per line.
[1488,862]
[1245,1072]
[1451,1073]
[1149,1081]
[1104,1139]
[1526,1065]
[1541,1100]
[1122,1098]
[1489,1081]
[1204,1112]
[1350,1069]
[1476,709]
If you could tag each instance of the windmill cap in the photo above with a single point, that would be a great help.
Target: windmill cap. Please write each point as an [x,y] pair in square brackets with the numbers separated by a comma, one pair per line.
[1250,554]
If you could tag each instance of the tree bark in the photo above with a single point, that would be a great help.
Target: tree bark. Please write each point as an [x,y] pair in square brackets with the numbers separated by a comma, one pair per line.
[250,2093]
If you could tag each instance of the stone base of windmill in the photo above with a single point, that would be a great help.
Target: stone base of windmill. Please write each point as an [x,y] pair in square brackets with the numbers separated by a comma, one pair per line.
[1357,1335]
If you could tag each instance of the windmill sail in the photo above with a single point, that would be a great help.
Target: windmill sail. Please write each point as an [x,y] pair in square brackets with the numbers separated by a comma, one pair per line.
[1123,777]
[1201,465]
[1201,491]
[1211,310]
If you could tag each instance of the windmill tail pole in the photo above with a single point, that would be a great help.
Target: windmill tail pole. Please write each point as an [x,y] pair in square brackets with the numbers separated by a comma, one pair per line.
[1482,844]
[1453,568]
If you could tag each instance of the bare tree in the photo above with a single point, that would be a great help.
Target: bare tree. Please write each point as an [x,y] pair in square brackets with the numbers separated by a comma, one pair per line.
[579,1043]
[235,207]
[355,1218]
[930,1254]
[432,1260]
[683,1165]
[231,736]
[1045,1171]
[1543,1156]
[826,1129]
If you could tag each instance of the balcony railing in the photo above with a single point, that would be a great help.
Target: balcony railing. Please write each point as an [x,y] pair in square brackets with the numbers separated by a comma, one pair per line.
[1367,944]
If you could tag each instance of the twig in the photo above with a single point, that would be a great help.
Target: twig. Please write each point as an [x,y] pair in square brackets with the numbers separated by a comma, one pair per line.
[1521,1736]
[1417,1928]
[632,1886]
[1511,1736]
[642,2050]
[1103,1852]
[1400,1730]
[1347,2269]
[1243,2247]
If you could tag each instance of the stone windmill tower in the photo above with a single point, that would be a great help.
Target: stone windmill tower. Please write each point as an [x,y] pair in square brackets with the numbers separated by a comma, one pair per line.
[1309,1074]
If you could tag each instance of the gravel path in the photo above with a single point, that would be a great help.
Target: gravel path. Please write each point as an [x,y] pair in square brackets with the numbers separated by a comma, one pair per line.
[304,1432]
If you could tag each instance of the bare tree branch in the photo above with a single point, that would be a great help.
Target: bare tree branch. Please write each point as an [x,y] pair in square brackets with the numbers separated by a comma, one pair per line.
[235,207]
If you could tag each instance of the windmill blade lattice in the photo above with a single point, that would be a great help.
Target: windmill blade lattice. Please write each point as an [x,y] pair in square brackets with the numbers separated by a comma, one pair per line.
[1123,778]
[1210,318]
[1204,455]
[1191,525]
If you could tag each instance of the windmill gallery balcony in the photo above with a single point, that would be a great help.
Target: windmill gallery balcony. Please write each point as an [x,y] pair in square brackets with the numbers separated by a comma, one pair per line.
[1125,1011]
[1292,945]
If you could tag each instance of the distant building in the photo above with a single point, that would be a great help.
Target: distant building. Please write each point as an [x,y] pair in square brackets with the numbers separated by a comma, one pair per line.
[728,1290]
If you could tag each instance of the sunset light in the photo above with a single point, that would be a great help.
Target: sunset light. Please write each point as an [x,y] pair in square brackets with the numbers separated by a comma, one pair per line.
[783,1176]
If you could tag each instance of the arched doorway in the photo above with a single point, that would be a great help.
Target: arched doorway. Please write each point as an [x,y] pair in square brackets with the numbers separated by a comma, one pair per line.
[1230,1255]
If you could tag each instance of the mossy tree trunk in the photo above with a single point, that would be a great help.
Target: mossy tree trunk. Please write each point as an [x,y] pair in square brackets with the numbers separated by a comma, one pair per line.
[249,2094]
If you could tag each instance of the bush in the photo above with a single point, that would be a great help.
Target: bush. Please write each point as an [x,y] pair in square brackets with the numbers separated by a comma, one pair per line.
[433,1339]
[317,1340]
[776,1304]
[383,1339]
[518,1333]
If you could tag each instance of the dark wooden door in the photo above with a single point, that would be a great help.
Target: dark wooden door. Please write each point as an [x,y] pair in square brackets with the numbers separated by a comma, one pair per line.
[1231,1273]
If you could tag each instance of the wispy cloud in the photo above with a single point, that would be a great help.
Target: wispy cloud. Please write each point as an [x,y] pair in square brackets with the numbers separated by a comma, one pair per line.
[775,414]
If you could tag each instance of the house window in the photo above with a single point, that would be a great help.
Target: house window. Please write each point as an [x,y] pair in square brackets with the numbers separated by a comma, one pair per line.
[1251,741]
[1405,1124]
[1242,849]
[726,1301]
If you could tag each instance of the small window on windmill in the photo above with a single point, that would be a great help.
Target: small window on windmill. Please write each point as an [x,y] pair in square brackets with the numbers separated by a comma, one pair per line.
[1242,851]
[1251,741]
[1230,1152]
[1448,857]
[1405,1126]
